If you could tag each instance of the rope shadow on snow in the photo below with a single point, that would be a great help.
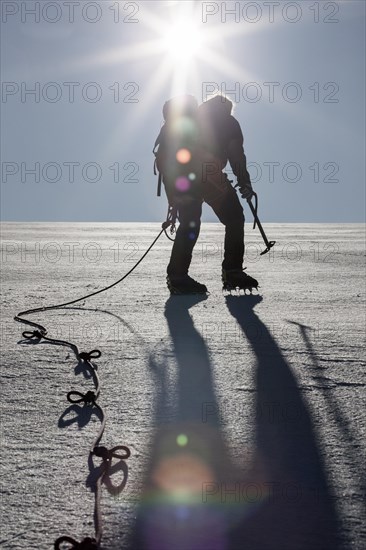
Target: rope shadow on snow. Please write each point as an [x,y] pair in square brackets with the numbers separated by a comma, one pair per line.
[188,455]
[98,471]
[27,342]
[120,319]
[82,416]
[105,472]
[296,508]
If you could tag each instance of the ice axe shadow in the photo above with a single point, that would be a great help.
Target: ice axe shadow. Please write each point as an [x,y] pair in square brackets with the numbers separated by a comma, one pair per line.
[254,210]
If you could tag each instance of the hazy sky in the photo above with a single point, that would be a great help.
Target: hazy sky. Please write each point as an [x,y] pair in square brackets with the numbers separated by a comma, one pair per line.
[101,71]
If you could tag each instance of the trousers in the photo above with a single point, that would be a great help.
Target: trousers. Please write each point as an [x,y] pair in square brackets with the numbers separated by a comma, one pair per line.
[222,197]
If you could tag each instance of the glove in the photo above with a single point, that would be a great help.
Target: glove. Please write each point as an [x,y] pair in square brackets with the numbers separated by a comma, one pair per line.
[246,190]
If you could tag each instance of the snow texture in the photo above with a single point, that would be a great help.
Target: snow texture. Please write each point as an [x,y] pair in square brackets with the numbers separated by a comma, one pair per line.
[268,390]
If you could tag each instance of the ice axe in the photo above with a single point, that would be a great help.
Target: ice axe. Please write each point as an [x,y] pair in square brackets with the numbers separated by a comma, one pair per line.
[254,209]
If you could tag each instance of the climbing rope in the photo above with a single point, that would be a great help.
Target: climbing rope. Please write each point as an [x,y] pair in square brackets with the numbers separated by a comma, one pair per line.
[171,220]
[120,452]
[42,329]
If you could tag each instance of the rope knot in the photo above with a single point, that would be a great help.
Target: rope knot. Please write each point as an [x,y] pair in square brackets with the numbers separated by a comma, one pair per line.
[108,454]
[32,334]
[86,544]
[89,397]
[87,355]
[102,452]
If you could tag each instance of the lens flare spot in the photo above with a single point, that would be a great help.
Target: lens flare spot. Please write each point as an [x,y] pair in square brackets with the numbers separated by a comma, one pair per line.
[181,476]
[182,440]
[191,176]
[182,184]
[183,156]
[182,513]
[192,236]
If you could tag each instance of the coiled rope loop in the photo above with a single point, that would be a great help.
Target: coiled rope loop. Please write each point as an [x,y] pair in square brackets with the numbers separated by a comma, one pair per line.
[89,398]
[86,544]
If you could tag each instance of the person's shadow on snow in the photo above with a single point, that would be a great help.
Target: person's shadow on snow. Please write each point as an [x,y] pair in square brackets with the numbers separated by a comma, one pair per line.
[181,505]
[295,503]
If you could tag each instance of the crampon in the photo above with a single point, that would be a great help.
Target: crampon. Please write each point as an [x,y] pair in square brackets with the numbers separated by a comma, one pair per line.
[235,280]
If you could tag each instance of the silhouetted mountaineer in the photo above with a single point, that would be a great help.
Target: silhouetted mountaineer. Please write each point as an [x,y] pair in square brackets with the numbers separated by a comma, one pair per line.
[195,145]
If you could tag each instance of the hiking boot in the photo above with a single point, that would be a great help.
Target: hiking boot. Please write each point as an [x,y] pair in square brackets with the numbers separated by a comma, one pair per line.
[233,279]
[184,285]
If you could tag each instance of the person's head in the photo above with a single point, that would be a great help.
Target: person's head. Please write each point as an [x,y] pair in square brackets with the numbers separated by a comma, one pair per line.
[183,105]
[218,105]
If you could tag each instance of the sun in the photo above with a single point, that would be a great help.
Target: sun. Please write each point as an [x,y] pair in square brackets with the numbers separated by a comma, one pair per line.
[183,41]
[178,46]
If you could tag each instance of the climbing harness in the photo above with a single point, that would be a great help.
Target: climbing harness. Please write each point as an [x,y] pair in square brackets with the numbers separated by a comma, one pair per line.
[120,452]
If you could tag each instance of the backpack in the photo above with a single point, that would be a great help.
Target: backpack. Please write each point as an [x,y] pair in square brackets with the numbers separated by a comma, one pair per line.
[179,132]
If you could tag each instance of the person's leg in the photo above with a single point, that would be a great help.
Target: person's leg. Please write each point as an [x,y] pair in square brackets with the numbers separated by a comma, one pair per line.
[224,201]
[189,216]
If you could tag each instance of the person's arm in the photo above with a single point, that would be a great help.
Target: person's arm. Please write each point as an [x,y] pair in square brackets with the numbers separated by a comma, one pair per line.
[238,161]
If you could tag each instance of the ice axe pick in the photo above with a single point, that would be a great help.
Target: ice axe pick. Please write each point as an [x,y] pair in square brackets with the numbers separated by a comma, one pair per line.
[254,209]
